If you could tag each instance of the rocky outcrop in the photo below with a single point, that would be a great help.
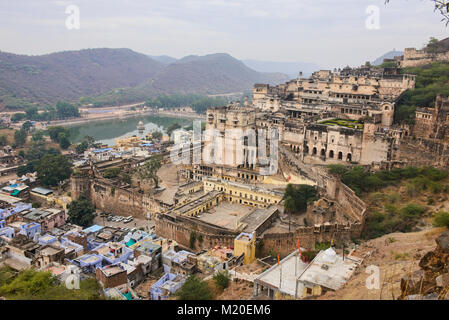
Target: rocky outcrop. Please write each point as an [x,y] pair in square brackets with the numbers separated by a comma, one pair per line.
[431,282]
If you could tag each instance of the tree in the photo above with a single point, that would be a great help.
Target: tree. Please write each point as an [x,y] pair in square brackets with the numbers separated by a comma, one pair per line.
[42,285]
[111,173]
[26,126]
[173,127]
[290,207]
[52,169]
[194,289]
[3,140]
[85,144]
[66,110]
[38,136]
[156,135]
[432,46]
[148,171]
[440,5]
[20,137]
[441,219]
[297,197]
[81,211]
[337,169]
[31,113]
[64,141]
[222,279]
[16,117]
[54,133]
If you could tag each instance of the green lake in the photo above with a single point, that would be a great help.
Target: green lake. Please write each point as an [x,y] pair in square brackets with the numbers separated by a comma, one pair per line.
[107,131]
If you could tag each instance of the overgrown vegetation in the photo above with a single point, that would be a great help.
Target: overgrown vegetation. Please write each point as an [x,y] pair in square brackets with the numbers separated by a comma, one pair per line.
[431,80]
[393,219]
[53,169]
[387,213]
[148,171]
[441,219]
[60,135]
[85,144]
[222,279]
[194,289]
[362,180]
[33,157]
[111,173]
[192,239]
[41,285]
[199,103]
[81,211]
[296,197]
[61,111]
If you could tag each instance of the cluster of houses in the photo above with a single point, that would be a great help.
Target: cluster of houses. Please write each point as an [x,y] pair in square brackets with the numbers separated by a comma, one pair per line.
[40,238]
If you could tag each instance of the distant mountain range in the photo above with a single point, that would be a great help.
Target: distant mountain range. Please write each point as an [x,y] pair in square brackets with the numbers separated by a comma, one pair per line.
[289,68]
[70,75]
[389,55]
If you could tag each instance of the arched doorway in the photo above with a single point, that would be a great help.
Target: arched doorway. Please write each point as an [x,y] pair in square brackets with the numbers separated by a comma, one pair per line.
[331,154]
[349,157]
[340,155]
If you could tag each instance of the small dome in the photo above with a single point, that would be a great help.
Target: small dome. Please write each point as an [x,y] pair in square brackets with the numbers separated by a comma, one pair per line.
[330,256]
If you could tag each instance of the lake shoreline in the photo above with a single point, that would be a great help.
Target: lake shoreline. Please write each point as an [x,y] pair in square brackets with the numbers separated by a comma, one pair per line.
[80,121]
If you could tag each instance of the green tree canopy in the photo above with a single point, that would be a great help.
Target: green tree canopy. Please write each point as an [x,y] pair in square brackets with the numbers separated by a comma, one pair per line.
[54,133]
[3,140]
[111,173]
[194,289]
[148,171]
[156,135]
[64,141]
[16,117]
[20,137]
[52,169]
[81,211]
[42,285]
[296,197]
[222,279]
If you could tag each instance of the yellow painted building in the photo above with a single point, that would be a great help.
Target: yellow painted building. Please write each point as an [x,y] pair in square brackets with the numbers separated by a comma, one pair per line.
[245,243]
[242,193]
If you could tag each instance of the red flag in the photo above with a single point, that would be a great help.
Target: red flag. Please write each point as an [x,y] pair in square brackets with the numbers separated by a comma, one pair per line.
[299,247]
[278,260]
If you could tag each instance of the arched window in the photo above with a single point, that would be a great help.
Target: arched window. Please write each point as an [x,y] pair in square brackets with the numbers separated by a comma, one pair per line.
[314,151]
[331,154]
[349,157]
[340,155]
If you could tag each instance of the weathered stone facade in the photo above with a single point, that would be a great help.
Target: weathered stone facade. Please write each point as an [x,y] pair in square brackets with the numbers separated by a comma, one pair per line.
[414,58]
[113,199]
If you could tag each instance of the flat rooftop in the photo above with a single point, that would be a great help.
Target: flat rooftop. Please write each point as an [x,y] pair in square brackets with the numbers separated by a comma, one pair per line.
[258,217]
[329,270]
[49,251]
[271,277]
[193,204]
[112,270]
[225,214]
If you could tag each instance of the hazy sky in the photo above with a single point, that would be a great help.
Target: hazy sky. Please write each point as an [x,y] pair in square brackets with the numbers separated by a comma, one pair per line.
[331,33]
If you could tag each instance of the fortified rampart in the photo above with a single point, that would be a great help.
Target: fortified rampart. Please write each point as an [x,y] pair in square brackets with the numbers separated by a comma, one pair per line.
[424,152]
[181,228]
[113,199]
[414,58]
